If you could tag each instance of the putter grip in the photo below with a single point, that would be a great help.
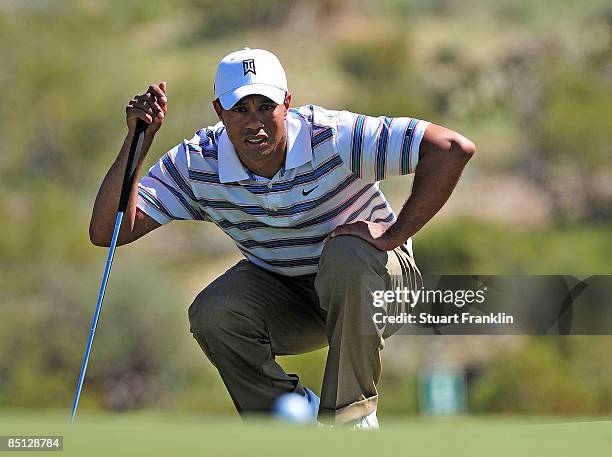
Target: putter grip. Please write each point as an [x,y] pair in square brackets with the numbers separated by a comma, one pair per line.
[130,166]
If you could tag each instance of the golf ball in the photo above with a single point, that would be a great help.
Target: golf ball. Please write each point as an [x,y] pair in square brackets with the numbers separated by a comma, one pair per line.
[293,408]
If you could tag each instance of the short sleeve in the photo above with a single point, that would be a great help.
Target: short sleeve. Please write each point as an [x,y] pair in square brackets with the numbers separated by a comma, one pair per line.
[376,148]
[165,193]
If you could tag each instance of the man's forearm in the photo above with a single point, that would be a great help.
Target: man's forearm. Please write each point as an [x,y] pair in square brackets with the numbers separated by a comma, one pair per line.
[105,207]
[435,178]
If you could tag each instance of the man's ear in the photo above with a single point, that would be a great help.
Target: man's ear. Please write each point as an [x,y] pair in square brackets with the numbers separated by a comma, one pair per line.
[218,109]
[287,101]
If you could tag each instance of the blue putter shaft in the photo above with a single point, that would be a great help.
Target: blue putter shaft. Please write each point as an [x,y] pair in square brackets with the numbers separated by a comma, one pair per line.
[94,322]
[128,181]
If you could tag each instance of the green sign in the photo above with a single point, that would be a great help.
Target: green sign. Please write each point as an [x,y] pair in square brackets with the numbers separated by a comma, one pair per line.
[442,392]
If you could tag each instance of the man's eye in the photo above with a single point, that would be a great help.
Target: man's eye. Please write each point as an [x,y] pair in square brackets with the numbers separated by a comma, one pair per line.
[268,107]
[239,109]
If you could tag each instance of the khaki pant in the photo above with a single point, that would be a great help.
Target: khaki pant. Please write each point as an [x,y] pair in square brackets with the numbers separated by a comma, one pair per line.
[247,316]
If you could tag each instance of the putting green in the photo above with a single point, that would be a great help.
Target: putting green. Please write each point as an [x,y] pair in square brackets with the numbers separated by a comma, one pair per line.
[152,434]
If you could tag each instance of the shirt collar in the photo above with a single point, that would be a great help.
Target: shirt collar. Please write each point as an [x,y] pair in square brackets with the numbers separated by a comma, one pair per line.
[299,151]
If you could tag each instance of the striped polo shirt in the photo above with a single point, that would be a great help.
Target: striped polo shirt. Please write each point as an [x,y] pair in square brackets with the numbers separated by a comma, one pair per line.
[330,177]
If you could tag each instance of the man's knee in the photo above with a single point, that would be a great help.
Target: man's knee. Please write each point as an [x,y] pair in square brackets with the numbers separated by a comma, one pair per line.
[209,314]
[349,255]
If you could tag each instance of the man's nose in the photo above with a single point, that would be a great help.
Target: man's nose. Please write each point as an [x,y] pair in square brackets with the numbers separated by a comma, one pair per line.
[254,120]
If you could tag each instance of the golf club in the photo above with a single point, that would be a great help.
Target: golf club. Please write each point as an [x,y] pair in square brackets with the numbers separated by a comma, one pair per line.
[126,187]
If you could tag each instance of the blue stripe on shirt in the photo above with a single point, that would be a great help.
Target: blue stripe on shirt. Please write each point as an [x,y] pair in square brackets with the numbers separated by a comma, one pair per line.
[156,203]
[285,263]
[282,242]
[357,144]
[405,165]
[381,149]
[389,218]
[321,137]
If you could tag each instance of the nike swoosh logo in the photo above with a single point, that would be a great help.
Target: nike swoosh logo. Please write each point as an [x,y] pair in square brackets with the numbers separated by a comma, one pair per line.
[306,192]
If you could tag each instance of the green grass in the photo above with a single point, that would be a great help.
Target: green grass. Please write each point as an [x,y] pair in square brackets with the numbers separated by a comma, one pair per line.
[177,435]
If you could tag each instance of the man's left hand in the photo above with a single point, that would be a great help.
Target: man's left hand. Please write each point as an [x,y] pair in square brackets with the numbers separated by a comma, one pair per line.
[371,232]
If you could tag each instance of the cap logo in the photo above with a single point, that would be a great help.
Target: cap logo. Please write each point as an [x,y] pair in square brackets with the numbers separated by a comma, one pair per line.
[248,66]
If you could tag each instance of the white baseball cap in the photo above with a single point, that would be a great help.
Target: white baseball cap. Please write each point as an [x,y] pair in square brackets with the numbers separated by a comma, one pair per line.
[249,71]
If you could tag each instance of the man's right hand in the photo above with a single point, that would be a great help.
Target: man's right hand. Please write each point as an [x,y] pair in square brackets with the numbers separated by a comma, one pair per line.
[151,107]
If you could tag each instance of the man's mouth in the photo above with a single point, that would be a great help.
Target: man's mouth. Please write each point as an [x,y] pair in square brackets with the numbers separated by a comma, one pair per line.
[255,140]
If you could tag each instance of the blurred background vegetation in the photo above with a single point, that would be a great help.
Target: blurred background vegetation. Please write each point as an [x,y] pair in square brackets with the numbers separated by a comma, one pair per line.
[530,82]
